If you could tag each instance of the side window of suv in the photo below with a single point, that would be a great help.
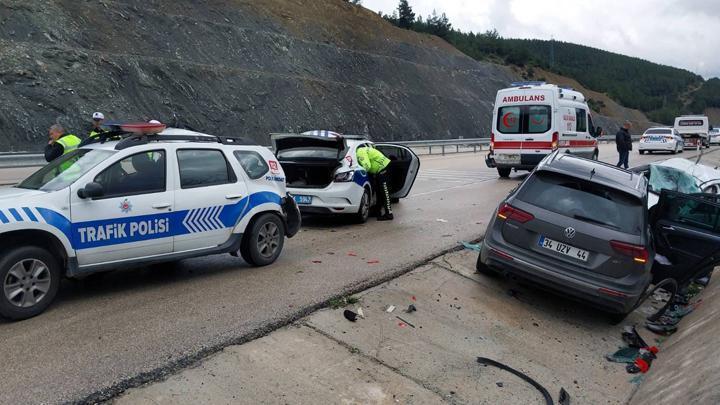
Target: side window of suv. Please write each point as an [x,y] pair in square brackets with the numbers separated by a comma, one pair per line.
[581,117]
[141,173]
[203,168]
[252,162]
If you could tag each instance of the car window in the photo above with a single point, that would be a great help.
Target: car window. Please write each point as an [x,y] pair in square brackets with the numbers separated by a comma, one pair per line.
[526,119]
[141,173]
[581,120]
[585,201]
[657,132]
[696,212]
[204,167]
[252,162]
[65,170]
[670,178]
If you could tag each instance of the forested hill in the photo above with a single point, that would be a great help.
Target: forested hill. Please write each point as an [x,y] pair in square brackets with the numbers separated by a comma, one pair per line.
[661,92]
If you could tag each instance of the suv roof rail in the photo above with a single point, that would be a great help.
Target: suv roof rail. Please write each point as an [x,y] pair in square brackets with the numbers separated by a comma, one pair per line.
[142,139]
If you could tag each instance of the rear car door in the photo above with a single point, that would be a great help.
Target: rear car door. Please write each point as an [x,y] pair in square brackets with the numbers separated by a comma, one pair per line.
[132,218]
[403,169]
[209,195]
[686,230]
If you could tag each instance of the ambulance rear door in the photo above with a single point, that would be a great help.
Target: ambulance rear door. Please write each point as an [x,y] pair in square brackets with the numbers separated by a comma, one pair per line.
[524,126]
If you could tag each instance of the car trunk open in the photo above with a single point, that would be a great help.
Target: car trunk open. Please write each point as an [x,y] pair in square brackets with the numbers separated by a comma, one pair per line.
[309,161]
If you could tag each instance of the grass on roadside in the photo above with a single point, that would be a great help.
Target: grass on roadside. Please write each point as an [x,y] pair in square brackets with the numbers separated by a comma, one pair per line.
[339,302]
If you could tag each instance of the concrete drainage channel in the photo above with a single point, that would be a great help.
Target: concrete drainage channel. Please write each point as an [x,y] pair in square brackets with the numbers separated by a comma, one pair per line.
[393,354]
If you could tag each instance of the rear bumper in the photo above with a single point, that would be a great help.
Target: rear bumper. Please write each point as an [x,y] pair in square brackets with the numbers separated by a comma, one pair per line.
[670,146]
[528,161]
[337,198]
[618,296]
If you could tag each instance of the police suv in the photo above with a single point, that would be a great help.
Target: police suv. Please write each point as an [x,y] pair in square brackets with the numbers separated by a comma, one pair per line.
[532,119]
[135,195]
[324,176]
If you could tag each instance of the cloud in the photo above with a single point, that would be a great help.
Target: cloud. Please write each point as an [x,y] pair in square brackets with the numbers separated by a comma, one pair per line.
[672,32]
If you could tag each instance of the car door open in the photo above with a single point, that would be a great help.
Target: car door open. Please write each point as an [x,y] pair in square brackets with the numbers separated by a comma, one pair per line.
[686,230]
[404,167]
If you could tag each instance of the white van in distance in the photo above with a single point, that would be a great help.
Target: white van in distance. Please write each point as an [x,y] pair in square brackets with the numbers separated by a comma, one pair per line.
[532,119]
[694,130]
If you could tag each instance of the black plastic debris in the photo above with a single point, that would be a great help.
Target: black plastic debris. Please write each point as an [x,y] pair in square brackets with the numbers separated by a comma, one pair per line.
[564,398]
[631,336]
[543,391]
[350,315]
[411,308]
[499,384]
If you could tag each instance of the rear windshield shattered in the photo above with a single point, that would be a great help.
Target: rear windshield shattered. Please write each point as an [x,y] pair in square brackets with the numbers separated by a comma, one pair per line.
[584,201]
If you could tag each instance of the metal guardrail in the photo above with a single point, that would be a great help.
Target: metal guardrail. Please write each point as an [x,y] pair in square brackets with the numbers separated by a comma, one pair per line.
[11,160]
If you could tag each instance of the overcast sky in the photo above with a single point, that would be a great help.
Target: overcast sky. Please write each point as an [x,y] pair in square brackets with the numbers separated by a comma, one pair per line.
[681,33]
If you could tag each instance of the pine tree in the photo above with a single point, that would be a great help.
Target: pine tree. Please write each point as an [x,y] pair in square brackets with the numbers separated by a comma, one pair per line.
[406,16]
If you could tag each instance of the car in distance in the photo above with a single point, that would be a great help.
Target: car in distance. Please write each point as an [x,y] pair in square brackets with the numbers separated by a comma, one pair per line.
[581,228]
[661,140]
[714,136]
[131,197]
[324,176]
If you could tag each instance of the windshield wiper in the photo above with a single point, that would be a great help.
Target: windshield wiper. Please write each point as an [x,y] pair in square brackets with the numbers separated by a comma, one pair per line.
[588,219]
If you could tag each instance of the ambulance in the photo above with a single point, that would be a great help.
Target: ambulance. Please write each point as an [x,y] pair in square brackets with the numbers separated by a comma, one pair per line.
[532,119]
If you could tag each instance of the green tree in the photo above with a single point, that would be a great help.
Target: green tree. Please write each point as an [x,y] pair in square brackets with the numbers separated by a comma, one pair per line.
[406,16]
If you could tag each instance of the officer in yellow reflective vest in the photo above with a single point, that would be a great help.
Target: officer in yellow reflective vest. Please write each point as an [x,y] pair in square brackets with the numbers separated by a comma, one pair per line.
[375,163]
[97,121]
[60,143]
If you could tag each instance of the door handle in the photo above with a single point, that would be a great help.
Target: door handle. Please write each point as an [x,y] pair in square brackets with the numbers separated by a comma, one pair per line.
[233,196]
[161,206]
[668,228]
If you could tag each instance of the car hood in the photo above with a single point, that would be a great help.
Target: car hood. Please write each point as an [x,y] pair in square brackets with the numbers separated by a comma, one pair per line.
[701,172]
[14,193]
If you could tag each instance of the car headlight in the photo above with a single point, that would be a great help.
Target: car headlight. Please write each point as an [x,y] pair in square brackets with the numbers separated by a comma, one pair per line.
[344,177]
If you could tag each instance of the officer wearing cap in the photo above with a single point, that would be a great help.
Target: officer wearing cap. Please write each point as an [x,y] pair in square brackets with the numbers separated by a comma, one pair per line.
[97,120]
[60,143]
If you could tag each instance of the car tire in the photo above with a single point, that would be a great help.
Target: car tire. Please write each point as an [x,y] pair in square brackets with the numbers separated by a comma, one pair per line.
[30,278]
[263,242]
[504,172]
[364,209]
[484,269]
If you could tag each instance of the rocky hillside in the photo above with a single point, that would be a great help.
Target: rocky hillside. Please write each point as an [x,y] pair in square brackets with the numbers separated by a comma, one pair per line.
[235,67]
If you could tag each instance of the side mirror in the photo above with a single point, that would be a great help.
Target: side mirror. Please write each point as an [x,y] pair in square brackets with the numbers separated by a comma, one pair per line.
[91,190]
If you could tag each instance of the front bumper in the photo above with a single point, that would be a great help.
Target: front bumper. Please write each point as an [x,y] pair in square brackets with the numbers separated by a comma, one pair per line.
[613,295]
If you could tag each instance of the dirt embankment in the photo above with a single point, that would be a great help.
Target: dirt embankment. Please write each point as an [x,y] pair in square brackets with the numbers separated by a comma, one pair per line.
[233,68]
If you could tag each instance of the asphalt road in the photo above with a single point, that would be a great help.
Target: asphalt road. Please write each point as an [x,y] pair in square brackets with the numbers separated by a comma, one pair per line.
[120,329]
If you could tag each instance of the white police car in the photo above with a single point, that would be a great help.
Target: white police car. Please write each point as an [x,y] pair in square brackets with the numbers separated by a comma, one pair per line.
[140,199]
[324,176]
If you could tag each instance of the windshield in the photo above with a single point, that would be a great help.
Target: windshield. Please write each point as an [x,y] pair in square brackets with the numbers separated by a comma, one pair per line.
[669,178]
[658,132]
[64,170]
[585,201]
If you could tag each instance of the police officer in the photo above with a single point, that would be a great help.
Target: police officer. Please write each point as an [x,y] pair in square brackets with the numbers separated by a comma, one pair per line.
[375,163]
[97,121]
[60,143]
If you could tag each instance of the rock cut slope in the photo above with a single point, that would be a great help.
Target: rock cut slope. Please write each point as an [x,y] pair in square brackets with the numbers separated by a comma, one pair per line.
[233,68]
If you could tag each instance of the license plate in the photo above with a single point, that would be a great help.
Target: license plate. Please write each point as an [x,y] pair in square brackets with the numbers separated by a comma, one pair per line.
[657,139]
[508,159]
[563,248]
[303,199]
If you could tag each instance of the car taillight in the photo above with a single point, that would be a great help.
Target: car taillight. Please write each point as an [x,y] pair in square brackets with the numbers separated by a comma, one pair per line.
[643,138]
[492,141]
[638,253]
[555,140]
[507,211]
[669,138]
[344,177]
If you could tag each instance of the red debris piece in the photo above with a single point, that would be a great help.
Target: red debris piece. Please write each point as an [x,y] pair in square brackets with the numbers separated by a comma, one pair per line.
[352,254]
[374,261]
[413,298]
[317,261]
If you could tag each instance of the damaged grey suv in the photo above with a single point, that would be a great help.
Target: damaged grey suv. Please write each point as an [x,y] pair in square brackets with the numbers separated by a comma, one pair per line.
[576,226]
[580,227]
